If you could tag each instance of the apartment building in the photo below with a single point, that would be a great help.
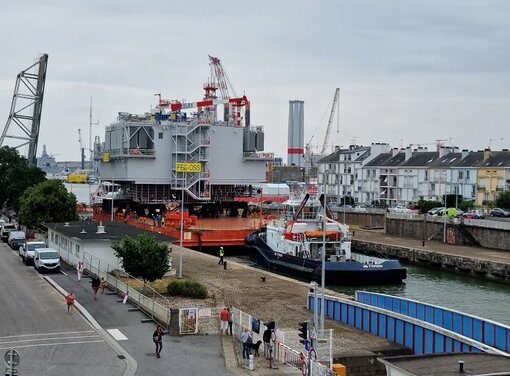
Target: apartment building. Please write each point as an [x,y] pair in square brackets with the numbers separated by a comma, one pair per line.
[493,176]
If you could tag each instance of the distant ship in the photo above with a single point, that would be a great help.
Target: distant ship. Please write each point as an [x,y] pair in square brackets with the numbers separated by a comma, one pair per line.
[294,244]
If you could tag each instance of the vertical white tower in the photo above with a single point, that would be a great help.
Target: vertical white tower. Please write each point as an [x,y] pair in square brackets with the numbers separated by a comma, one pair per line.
[296,140]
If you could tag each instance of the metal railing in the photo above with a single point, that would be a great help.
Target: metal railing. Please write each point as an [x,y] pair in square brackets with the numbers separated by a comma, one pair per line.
[140,294]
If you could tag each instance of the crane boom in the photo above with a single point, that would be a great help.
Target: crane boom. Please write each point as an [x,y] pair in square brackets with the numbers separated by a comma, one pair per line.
[330,121]
[222,78]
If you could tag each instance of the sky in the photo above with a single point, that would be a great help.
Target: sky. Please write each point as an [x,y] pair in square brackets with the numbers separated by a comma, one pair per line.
[409,72]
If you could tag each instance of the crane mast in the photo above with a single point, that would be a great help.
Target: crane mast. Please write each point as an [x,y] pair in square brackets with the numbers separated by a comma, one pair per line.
[330,121]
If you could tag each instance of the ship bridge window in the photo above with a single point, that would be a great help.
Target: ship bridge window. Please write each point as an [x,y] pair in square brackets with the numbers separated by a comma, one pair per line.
[141,138]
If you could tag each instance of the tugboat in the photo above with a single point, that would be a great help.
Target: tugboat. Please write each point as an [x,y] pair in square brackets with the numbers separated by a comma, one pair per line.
[293,244]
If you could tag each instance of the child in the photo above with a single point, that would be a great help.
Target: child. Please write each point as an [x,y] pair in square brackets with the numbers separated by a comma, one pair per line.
[103,285]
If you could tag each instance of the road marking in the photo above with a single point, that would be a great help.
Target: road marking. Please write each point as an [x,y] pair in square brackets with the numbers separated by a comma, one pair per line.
[48,334]
[52,344]
[63,272]
[48,339]
[116,333]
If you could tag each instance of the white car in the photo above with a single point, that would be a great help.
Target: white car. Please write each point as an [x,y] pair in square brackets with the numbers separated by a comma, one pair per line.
[27,250]
[46,259]
[400,209]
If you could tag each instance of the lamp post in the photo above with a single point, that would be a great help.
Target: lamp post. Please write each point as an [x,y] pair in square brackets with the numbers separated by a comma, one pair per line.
[323,263]
[113,194]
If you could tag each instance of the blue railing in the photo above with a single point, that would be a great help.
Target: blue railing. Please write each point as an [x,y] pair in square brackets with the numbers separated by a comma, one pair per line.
[485,331]
[420,336]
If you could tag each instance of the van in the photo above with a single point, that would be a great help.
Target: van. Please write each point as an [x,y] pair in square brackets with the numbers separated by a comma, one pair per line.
[27,250]
[6,228]
[15,239]
[46,259]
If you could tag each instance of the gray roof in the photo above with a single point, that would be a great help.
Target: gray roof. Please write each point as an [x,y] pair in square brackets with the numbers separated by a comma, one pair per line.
[84,230]
[448,160]
[497,159]
[379,160]
[421,159]
[447,364]
[335,156]
[471,160]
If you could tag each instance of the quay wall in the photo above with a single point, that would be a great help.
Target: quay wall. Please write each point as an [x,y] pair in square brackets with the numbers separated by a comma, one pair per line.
[372,220]
[456,233]
[465,264]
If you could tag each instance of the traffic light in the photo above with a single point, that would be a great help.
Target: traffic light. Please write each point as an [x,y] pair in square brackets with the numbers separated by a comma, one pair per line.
[303,331]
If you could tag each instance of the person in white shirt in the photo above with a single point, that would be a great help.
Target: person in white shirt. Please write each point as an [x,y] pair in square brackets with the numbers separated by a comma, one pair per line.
[246,340]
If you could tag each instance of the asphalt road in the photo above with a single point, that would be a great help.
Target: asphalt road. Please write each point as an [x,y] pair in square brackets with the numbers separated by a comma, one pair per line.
[187,355]
[34,321]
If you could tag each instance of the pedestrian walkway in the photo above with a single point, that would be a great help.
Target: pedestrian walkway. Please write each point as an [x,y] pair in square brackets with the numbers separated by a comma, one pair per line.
[189,355]
[378,236]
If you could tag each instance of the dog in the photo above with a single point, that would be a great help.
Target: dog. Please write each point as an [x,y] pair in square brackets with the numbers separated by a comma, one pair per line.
[255,347]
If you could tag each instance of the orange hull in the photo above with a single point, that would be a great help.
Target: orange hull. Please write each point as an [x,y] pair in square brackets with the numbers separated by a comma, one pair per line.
[207,232]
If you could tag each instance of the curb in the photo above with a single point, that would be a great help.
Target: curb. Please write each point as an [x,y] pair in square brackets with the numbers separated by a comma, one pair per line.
[131,365]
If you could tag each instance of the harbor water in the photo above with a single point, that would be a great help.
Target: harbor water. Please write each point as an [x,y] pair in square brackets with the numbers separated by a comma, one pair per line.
[484,298]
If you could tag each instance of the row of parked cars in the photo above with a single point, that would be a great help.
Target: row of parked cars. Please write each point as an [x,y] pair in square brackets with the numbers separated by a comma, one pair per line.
[32,252]
[474,213]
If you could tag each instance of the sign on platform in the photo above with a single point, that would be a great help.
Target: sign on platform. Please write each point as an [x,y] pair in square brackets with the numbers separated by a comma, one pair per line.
[11,358]
[106,157]
[188,167]
[307,344]
[204,312]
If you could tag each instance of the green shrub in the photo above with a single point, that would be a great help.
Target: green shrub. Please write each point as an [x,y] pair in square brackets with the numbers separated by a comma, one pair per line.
[189,289]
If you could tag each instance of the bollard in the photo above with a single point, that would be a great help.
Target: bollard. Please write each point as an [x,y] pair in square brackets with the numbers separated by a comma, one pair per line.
[423,243]
[224,265]
[250,362]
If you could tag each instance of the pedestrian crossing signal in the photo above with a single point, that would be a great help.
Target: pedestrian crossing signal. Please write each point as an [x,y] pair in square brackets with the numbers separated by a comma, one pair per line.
[303,331]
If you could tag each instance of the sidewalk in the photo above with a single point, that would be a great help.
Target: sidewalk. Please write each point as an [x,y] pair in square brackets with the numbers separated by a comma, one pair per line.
[378,236]
[188,355]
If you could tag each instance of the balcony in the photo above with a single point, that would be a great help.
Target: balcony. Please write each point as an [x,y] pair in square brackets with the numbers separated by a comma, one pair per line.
[481,188]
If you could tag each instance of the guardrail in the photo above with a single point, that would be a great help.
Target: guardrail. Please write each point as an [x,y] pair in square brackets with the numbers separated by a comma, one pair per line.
[127,285]
[485,331]
[418,335]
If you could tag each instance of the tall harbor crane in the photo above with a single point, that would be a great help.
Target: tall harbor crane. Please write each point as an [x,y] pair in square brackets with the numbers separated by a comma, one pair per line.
[26,108]
[330,121]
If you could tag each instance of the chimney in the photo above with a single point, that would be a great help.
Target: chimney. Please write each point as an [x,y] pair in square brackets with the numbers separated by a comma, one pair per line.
[443,150]
[487,154]
[100,229]
[465,153]
[337,148]
[409,153]
[394,151]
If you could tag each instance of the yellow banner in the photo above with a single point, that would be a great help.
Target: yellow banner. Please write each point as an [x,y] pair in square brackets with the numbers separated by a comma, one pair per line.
[106,157]
[188,167]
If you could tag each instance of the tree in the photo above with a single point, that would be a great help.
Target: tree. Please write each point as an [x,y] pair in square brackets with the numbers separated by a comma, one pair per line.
[143,257]
[19,178]
[48,201]
[9,159]
[503,200]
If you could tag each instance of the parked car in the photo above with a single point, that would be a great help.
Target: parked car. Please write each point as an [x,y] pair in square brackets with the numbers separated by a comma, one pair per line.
[475,213]
[27,250]
[46,259]
[360,208]
[15,239]
[6,228]
[435,211]
[400,209]
[498,212]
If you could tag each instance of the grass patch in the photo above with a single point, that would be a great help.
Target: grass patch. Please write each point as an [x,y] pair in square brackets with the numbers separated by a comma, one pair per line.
[185,288]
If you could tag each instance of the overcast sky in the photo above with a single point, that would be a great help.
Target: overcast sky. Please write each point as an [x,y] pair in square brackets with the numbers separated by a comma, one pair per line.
[409,71]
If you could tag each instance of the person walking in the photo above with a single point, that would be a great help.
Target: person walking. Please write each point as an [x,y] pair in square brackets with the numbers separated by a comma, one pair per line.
[246,340]
[70,302]
[266,338]
[224,314]
[230,322]
[79,270]
[96,282]
[222,254]
[156,338]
